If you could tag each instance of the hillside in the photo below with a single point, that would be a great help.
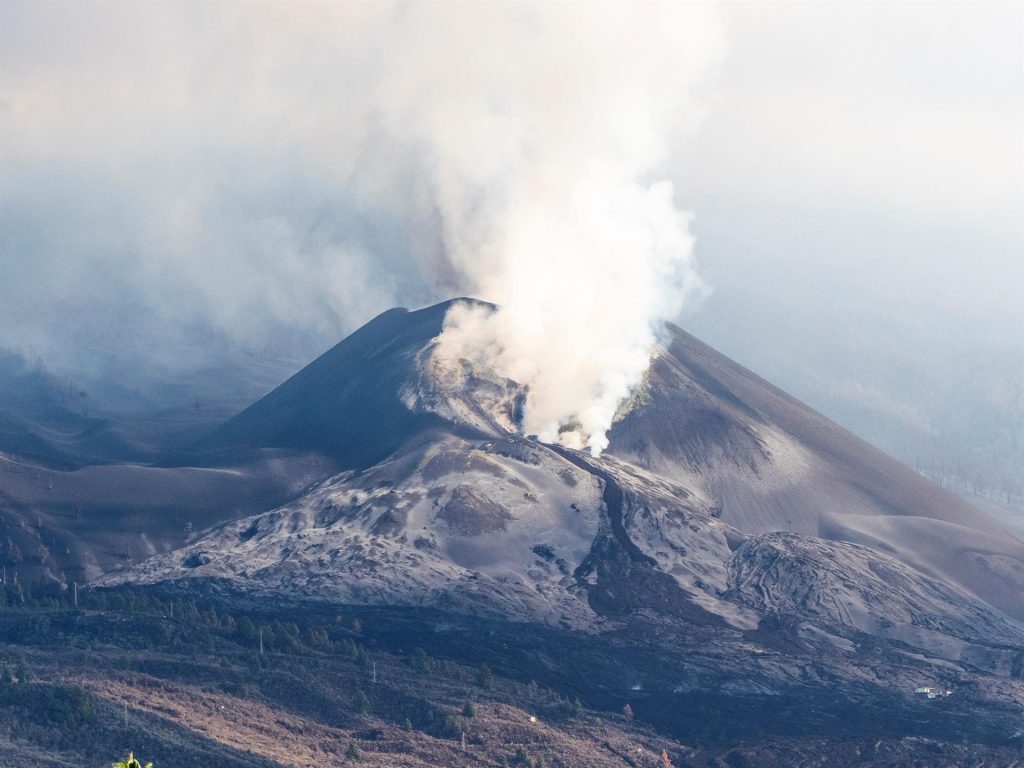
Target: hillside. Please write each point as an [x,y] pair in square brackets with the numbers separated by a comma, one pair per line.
[756,583]
[186,684]
[439,501]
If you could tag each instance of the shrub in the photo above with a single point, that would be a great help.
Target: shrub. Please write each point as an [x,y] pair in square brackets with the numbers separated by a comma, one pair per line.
[522,757]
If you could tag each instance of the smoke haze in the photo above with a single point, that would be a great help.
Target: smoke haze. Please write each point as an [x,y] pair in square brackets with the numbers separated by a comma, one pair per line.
[193,185]
[509,151]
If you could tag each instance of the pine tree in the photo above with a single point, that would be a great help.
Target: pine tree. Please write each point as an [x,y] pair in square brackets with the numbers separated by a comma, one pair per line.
[131,762]
[484,676]
[421,661]
[360,701]
[360,657]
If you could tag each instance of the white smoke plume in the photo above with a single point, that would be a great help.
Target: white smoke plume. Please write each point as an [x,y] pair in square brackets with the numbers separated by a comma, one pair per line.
[543,128]
[272,171]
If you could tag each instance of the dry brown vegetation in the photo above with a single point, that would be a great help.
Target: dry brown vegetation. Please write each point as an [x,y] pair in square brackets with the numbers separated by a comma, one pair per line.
[90,685]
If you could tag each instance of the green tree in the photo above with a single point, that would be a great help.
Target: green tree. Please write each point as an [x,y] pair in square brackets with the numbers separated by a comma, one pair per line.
[452,727]
[421,661]
[245,629]
[484,676]
[131,762]
[360,701]
[268,635]
[360,656]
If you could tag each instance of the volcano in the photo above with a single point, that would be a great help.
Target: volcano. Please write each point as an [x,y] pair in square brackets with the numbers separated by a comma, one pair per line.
[751,579]
[720,502]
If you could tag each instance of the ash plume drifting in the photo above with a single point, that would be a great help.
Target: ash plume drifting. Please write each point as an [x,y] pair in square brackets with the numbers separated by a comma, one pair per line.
[542,129]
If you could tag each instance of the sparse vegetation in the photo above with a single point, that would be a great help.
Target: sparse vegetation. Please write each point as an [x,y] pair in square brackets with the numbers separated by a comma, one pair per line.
[66,674]
[484,677]
[131,762]
[524,758]
[153,641]
[352,751]
[360,701]
[421,661]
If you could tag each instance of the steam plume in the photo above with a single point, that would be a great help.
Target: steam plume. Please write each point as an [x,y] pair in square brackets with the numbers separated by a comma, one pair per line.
[543,128]
[251,172]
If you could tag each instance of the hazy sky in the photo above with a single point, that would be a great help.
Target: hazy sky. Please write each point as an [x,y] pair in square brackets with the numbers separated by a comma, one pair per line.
[201,177]
[869,152]
[860,213]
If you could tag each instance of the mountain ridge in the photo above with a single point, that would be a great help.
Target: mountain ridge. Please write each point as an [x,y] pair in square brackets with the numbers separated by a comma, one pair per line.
[437,502]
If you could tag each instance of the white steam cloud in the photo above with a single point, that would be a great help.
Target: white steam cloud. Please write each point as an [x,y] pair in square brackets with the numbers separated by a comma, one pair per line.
[543,129]
[261,172]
